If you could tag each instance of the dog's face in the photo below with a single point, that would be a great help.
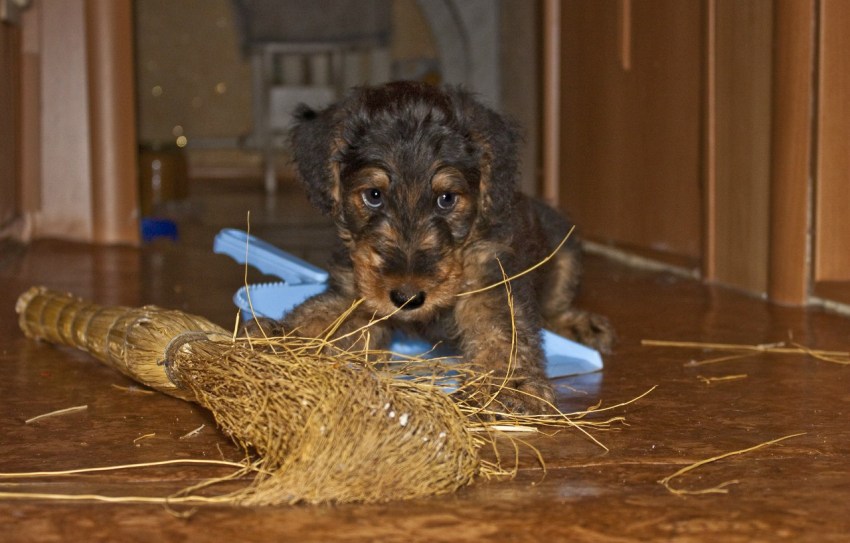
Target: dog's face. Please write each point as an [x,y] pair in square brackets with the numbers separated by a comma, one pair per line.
[406,170]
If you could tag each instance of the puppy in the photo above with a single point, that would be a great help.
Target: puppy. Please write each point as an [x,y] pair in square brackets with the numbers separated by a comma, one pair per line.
[421,183]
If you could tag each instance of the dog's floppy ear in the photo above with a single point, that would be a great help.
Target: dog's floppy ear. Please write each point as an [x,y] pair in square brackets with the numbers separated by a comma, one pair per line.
[497,137]
[313,138]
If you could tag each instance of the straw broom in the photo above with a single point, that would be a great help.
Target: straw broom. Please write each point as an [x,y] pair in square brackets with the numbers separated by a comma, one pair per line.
[326,429]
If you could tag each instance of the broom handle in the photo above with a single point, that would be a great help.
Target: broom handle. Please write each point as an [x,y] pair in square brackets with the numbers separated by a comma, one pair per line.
[133,341]
[59,318]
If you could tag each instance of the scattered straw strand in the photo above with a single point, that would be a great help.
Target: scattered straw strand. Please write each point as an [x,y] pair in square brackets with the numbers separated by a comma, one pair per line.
[143,437]
[245,278]
[57,413]
[193,433]
[721,379]
[132,389]
[178,500]
[79,471]
[719,359]
[835,357]
[721,488]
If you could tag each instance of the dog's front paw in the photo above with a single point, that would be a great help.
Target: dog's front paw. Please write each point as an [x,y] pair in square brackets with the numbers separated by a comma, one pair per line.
[529,397]
[261,327]
[587,328]
[521,396]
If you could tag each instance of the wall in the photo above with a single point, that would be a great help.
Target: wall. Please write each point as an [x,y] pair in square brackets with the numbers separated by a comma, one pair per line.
[66,205]
[191,78]
[520,46]
[76,134]
[195,85]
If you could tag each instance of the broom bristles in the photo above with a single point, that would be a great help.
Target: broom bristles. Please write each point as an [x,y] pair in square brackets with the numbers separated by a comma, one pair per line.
[326,428]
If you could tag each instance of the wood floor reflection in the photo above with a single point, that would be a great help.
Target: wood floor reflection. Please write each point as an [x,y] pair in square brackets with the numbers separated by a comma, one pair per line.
[795,490]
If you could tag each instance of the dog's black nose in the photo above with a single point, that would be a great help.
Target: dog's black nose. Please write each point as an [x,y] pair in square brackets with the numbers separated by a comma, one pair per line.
[406,299]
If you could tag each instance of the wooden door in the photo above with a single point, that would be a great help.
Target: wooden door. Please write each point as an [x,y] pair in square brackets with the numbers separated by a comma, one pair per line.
[10,133]
[689,131]
[832,174]
[631,124]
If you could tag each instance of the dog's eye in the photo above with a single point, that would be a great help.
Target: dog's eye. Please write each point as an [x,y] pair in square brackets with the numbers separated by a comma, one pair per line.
[446,201]
[373,198]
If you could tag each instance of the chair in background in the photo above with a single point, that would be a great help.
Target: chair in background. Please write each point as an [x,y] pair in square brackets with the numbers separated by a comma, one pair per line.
[307,52]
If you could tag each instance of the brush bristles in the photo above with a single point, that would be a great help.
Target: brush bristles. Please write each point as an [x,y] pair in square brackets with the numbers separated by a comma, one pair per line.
[326,428]
[329,429]
[326,425]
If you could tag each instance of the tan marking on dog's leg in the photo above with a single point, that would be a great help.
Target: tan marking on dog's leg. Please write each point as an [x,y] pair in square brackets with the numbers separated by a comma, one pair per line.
[485,337]
[358,332]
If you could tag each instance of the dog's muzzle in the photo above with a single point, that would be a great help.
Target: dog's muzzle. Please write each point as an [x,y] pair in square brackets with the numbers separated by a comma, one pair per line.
[407,299]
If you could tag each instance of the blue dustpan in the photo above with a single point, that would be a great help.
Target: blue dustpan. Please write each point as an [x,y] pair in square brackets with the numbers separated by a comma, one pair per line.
[301,280]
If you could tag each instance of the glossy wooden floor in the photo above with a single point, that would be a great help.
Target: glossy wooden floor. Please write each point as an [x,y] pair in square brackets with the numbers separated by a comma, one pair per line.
[797,490]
